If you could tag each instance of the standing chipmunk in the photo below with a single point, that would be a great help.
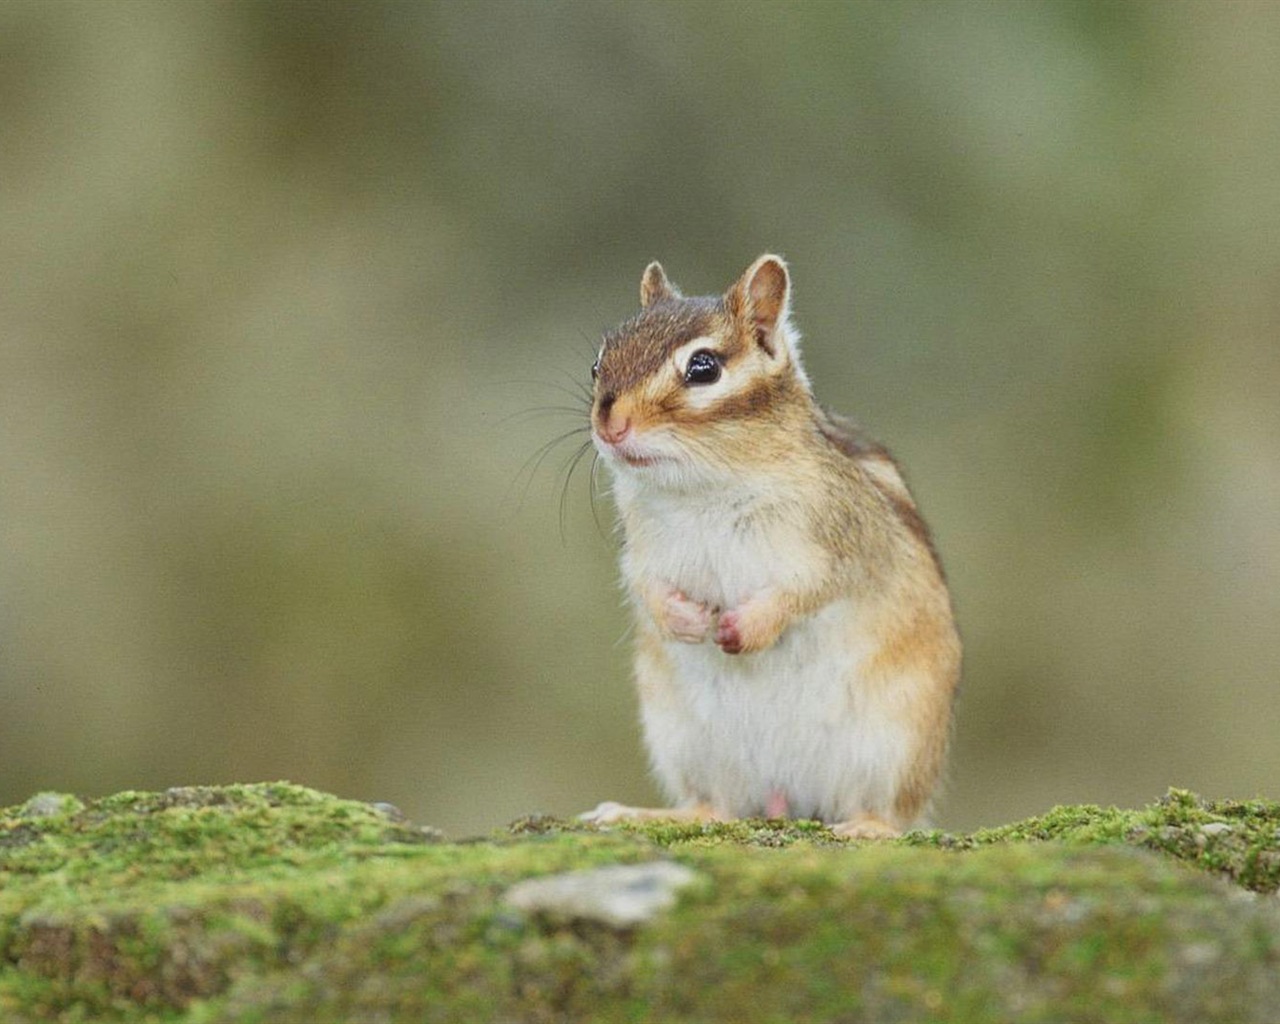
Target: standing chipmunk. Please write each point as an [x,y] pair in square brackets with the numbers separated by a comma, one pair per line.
[796,651]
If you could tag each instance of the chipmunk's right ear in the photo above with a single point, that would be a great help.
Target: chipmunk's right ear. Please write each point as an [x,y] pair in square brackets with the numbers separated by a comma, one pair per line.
[654,286]
[759,299]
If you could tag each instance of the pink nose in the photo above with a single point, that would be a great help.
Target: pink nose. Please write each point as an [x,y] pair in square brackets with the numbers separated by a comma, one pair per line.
[612,433]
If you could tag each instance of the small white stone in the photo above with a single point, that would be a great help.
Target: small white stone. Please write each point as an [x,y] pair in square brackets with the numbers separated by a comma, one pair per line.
[620,896]
[1197,954]
[50,805]
[1216,828]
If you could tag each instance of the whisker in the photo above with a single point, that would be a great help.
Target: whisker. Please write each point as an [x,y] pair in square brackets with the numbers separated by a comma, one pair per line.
[591,344]
[541,410]
[579,393]
[591,490]
[627,632]
[581,389]
[545,450]
[529,468]
[568,477]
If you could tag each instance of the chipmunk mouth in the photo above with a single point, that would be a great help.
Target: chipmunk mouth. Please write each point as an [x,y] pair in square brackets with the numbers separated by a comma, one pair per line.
[633,459]
[629,453]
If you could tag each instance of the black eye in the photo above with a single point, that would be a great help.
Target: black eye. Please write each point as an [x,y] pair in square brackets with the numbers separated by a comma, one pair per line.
[595,369]
[703,368]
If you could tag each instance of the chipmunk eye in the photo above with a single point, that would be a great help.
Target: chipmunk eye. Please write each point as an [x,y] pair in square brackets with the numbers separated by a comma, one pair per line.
[703,368]
[595,370]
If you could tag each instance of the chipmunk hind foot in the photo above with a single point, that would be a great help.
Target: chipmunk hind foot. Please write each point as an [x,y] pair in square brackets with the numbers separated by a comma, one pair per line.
[866,826]
[610,813]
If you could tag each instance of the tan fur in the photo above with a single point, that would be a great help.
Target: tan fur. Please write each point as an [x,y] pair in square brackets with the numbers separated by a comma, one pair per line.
[920,643]
[796,647]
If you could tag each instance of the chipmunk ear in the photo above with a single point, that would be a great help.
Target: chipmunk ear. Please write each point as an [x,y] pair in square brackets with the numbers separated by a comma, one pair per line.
[758,300]
[654,286]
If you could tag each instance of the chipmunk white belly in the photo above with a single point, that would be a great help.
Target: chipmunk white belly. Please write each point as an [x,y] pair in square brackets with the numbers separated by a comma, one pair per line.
[788,728]
[789,724]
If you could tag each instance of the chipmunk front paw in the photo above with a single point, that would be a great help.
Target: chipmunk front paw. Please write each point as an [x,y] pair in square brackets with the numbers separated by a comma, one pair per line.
[753,626]
[684,619]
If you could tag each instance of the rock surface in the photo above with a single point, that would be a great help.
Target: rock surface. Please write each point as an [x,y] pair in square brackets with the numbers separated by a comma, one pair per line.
[274,903]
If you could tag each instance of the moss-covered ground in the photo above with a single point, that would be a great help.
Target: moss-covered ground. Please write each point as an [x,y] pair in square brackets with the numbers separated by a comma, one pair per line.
[274,903]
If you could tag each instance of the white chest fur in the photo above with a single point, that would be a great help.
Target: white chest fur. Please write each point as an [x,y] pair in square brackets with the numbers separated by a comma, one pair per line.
[719,549]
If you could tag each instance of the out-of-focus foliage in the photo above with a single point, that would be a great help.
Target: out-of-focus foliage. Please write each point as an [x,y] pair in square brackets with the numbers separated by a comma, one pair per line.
[293,294]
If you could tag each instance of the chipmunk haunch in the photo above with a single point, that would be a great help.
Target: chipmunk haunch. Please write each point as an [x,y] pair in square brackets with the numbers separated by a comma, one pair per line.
[795,644]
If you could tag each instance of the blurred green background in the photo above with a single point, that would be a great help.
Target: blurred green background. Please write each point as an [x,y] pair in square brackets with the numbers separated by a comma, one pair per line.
[276,278]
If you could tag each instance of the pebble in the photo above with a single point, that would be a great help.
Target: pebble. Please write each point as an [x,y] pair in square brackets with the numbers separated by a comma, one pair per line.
[1216,828]
[50,805]
[619,896]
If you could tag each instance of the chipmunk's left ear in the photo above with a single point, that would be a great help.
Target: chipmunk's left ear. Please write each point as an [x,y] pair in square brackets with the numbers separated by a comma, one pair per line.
[654,286]
[759,301]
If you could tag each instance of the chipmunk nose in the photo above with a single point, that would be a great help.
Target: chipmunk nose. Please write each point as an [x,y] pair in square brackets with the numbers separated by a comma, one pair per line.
[612,429]
[613,432]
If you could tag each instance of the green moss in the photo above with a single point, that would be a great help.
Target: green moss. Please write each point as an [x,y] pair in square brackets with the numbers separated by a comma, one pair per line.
[760,833]
[274,903]
[1246,850]
[1237,839]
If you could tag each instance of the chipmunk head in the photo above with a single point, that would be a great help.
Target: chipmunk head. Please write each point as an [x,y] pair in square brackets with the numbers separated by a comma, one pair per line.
[695,386]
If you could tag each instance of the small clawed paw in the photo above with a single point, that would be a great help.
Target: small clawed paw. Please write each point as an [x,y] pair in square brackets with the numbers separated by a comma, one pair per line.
[607,813]
[865,828]
[751,627]
[728,636]
[684,619]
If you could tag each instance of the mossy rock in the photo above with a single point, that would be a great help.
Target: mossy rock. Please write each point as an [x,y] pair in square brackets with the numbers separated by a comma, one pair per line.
[274,903]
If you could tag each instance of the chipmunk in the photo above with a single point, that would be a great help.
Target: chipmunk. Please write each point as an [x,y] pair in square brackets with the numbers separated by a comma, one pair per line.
[796,652]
